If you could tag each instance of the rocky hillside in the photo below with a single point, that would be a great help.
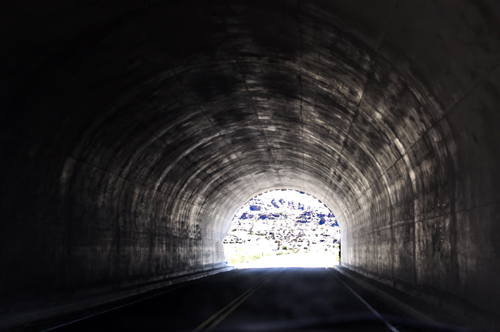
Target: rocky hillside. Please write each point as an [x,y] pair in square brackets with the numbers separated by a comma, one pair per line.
[289,221]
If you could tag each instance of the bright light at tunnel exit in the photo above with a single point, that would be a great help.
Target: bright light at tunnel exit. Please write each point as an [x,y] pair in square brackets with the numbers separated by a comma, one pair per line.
[283,228]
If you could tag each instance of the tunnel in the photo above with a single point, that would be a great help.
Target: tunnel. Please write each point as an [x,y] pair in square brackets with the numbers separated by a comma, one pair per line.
[132,131]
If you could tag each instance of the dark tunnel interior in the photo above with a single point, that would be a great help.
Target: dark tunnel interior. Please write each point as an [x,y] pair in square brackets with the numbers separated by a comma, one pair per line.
[132,131]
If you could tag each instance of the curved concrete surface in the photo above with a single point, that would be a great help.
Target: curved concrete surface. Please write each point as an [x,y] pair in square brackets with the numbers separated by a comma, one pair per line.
[132,131]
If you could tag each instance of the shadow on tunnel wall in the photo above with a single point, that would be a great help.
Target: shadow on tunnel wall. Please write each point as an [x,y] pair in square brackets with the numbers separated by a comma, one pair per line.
[131,132]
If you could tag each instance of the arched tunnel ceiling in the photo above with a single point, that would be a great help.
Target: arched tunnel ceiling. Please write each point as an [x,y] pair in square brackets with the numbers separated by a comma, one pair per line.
[212,102]
[169,115]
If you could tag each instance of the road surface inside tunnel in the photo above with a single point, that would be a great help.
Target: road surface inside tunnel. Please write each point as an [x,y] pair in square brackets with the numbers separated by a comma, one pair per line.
[251,299]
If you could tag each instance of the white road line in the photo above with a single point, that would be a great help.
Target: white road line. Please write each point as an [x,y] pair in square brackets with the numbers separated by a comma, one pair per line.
[115,308]
[224,312]
[389,325]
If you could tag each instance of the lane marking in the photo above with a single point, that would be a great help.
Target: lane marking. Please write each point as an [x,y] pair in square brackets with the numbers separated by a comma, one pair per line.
[379,316]
[417,315]
[220,315]
[223,316]
[202,325]
[119,307]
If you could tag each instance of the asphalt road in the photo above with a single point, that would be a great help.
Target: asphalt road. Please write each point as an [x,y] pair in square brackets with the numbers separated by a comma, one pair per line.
[252,299]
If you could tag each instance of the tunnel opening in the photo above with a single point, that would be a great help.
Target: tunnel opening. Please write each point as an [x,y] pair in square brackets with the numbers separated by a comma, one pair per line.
[283,228]
[131,132]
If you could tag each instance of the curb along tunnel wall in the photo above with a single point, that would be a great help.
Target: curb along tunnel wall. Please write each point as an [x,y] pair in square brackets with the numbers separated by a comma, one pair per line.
[131,133]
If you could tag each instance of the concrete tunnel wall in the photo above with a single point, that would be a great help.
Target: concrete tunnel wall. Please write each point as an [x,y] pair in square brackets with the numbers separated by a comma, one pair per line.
[132,131]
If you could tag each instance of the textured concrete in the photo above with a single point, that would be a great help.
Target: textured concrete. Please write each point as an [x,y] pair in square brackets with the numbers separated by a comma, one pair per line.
[131,131]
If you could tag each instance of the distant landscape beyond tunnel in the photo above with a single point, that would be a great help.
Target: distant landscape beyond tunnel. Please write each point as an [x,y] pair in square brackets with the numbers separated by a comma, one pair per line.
[131,132]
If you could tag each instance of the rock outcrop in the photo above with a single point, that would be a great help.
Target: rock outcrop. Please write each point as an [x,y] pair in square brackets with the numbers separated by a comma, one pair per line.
[285,224]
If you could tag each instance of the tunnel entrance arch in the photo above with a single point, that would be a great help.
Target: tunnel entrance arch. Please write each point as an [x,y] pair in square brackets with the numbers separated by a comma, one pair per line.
[283,228]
